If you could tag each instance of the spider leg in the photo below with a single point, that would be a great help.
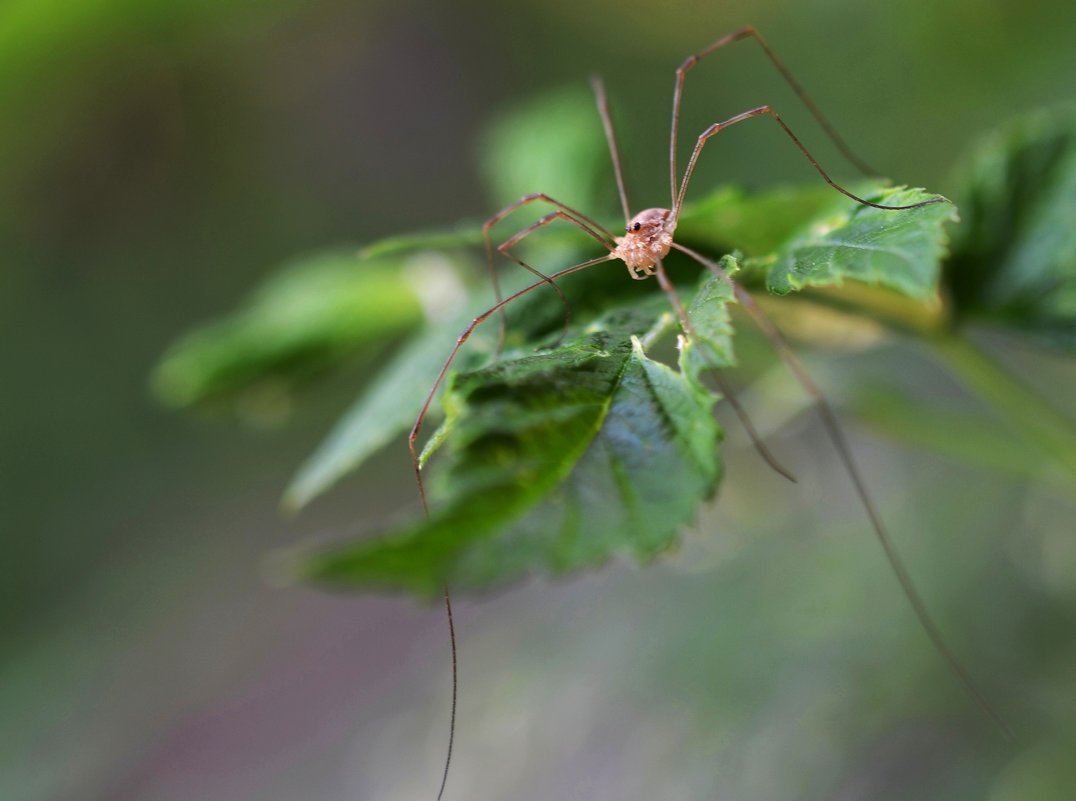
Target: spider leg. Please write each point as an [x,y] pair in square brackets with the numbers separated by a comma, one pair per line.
[723,385]
[748,32]
[412,439]
[506,246]
[844,452]
[717,127]
[610,138]
[583,221]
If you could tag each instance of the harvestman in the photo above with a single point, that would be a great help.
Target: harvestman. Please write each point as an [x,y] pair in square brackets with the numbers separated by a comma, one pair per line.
[647,240]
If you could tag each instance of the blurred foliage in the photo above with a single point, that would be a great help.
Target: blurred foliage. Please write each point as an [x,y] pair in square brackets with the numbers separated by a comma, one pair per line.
[520,150]
[155,157]
[306,318]
[384,410]
[1014,261]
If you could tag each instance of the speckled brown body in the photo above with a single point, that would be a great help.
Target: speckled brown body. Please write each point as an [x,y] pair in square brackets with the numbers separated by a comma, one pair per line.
[648,238]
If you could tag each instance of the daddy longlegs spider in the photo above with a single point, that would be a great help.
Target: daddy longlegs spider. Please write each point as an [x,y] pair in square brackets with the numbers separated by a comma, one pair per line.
[647,240]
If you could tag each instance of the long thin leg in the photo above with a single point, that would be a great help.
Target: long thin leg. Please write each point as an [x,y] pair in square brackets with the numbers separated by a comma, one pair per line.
[745,33]
[723,385]
[506,246]
[518,237]
[758,112]
[455,692]
[413,437]
[836,435]
[610,138]
[572,215]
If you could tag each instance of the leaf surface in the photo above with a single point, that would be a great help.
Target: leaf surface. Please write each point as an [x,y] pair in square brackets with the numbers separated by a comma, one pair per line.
[901,250]
[711,323]
[557,461]
[826,238]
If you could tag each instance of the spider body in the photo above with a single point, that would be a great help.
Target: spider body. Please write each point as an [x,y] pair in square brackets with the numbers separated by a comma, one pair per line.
[648,239]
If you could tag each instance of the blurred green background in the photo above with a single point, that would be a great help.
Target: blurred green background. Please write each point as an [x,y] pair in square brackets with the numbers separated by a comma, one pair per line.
[158,158]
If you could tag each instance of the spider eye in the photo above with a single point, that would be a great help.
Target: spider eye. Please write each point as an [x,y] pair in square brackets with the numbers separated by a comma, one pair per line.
[637,226]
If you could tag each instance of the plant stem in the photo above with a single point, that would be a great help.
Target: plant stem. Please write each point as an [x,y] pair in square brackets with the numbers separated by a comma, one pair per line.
[1027,412]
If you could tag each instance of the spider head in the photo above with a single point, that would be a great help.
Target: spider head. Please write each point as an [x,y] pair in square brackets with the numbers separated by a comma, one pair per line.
[649,223]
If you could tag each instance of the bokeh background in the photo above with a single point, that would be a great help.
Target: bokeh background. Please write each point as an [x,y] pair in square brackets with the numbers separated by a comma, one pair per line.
[158,158]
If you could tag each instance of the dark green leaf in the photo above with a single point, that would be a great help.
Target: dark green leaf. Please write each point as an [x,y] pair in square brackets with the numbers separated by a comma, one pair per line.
[897,249]
[557,461]
[388,406]
[1014,259]
[709,316]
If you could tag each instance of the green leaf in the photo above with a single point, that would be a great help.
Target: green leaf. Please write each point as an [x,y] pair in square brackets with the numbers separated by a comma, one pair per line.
[900,250]
[1014,259]
[709,316]
[307,316]
[757,223]
[457,236]
[382,413]
[1026,412]
[975,439]
[389,405]
[552,143]
[557,461]
[589,435]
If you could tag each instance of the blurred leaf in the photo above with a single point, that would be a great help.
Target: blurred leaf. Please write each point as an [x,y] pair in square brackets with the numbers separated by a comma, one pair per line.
[897,249]
[756,223]
[385,410]
[558,461]
[977,440]
[1022,409]
[1014,259]
[305,317]
[462,235]
[552,143]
